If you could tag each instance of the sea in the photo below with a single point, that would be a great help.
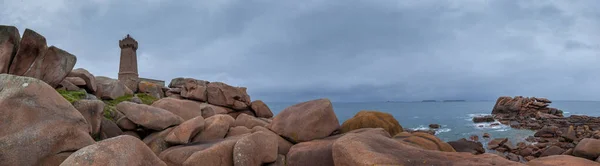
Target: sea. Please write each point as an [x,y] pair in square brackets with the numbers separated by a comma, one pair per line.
[455,118]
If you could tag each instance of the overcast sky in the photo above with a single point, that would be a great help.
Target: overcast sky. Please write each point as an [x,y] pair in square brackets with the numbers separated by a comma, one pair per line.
[345,50]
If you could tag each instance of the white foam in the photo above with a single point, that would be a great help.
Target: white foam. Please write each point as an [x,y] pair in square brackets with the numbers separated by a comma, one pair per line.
[437,131]
[443,130]
[566,112]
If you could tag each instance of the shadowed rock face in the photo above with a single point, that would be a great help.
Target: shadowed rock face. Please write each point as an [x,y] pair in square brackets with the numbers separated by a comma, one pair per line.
[121,150]
[87,77]
[9,45]
[53,66]
[32,46]
[372,119]
[30,111]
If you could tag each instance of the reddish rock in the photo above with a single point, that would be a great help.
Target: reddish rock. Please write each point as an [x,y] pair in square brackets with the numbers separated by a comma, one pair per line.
[238,130]
[38,126]
[133,134]
[474,138]
[148,116]
[173,92]
[495,143]
[373,149]
[561,160]
[526,152]
[109,129]
[372,119]
[513,157]
[194,89]
[76,81]
[90,80]
[279,162]
[255,149]
[463,145]
[151,89]
[306,121]
[216,127]
[221,94]
[249,121]
[486,135]
[52,67]
[9,45]
[552,150]
[237,113]
[32,46]
[121,150]
[215,152]
[177,82]
[186,109]
[425,141]
[261,109]
[480,119]
[283,145]
[183,133]
[68,86]
[587,148]
[126,124]
[156,141]
[92,111]
[110,89]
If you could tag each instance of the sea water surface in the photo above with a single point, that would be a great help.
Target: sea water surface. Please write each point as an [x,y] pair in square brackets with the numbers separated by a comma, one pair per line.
[454,117]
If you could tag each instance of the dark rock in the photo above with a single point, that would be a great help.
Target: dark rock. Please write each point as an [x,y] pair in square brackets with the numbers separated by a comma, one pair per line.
[9,45]
[480,119]
[463,145]
[552,150]
[434,126]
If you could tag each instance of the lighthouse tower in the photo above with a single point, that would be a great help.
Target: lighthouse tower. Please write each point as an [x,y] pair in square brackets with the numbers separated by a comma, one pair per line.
[128,68]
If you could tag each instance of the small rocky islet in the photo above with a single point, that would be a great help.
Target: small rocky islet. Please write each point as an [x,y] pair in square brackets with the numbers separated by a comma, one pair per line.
[52,114]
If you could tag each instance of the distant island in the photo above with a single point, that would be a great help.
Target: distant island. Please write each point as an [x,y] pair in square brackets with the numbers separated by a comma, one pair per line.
[429,101]
[454,100]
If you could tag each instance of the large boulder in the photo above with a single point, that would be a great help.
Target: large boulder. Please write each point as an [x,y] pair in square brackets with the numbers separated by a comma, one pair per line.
[186,109]
[221,94]
[9,45]
[38,126]
[157,141]
[110,89]
[193,89]
[464,145]
[77,81]
[374,149]
[177,82]
[109,129]
[372,119]
[215,128]
[261,109]
[306,121]
[67,85]
[255,149]
[561,160]
[121,150]
[52,67]
[480,119]
[216,152]
[32,47]
[425,141]
[148,116]
[587,148]
[90,80]
[183,133]
[283,145]
[151,89]
[238,130]
[249,121]
[92,111]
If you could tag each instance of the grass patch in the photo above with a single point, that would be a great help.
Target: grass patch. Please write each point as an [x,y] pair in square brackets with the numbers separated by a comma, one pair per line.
[72,96]
[110,106]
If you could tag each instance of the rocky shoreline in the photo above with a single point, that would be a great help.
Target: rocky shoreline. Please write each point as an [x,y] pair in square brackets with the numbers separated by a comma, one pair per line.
[52,114]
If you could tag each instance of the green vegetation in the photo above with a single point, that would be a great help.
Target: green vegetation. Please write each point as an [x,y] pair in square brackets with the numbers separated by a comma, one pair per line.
[72,96]
[110,106]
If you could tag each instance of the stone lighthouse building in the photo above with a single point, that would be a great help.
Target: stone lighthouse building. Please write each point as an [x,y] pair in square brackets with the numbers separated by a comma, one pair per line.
[128,67]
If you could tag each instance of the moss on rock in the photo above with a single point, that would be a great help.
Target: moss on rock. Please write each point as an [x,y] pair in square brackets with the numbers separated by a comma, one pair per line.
[72,96]
[110,106]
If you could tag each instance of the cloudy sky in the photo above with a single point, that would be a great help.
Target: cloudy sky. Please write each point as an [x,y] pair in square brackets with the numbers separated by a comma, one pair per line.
[345,50]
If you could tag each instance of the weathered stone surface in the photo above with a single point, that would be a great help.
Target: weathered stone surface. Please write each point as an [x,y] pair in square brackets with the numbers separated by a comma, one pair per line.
[552,150]
[156,141]
[373,149]
[372,119]
[238,130]
[279,162]
[183,133]
[92,112]
[464,145]
[38,126]
[434,126]
[261,109]
[255,149]
[148,116]
[133,134]
[177,82]
[561,160]
[90,80]
[215,127]
[479,119]
[194,89]
[283,145]
[209,110]
[76,81]
[121,150]
[9,45]
[216,152]
[249,121]
[110,89]
[67,85]
[109,129]
[126,124]
[235,114]
[186,109]
[52,67]
[221,94]
[587,148]
[31,47]
[425,141]
[150,88]
[306,121]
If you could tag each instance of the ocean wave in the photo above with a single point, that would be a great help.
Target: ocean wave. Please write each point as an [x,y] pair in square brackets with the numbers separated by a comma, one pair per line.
[437,131]
[566,112]
[443,130]
[470,117]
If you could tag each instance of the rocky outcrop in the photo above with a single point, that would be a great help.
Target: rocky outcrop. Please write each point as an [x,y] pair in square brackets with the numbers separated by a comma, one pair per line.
[39,127]
[425,141]
[561,160]
[52,67]
[92,112]
[192,89]
[261,109]
[249,121]
[372,119]
[257,148]
[87,77]
[151,89]
[148,116]
[216,152]
[524,106]
[306,121]
[157,140]
[186,109]
[221,94]
[464,145]
[9,45]
[121,150]
[480,119]
[183,133]
[588,148]
[110,89]
[215,127]
[31,46]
